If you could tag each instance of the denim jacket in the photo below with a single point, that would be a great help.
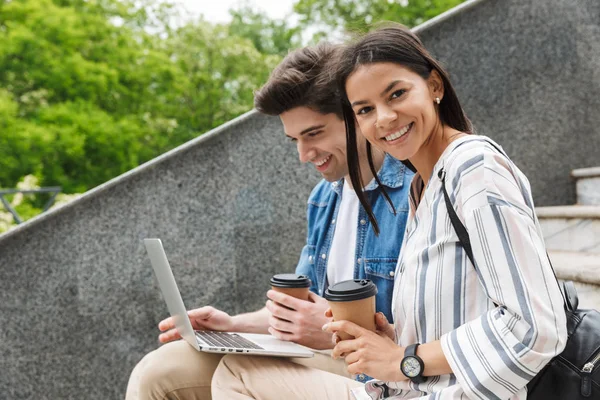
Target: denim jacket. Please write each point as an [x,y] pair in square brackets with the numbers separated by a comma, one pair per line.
[376,257]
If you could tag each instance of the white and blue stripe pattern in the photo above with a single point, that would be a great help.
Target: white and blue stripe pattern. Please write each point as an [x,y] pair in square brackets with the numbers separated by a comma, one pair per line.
[438,295]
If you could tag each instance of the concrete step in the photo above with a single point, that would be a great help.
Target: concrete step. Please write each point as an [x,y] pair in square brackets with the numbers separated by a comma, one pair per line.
[571,228]
[587,185]
[584,270]
[576,266]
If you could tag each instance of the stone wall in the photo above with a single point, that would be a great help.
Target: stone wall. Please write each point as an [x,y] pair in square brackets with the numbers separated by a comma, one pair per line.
[527,74]
[78,301]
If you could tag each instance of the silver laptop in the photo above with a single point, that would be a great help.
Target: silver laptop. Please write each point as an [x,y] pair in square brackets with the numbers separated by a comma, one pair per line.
[209,341]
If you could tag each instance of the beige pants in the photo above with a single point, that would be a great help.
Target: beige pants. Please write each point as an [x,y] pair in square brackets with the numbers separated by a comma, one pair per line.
[270,378]
[178,371]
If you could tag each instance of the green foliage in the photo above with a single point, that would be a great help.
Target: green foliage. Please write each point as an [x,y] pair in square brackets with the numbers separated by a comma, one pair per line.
[87,93]
[267,35]
[361,15]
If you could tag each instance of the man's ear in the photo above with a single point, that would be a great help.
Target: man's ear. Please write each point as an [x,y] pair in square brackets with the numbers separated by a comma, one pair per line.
[436,85]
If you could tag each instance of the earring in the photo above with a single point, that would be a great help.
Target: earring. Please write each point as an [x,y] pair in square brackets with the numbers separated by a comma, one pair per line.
[437,100]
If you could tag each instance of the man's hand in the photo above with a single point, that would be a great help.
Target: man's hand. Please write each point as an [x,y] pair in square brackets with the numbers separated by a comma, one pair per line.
[204,318]
[299,321]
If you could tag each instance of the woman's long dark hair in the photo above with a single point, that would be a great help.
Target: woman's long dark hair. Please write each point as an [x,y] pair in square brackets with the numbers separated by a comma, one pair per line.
[396,44]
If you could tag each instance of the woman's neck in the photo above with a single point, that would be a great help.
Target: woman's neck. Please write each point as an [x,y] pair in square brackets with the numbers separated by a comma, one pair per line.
[430,152]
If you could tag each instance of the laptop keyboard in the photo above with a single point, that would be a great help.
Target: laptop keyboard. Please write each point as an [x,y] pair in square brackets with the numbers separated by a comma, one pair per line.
[226,340]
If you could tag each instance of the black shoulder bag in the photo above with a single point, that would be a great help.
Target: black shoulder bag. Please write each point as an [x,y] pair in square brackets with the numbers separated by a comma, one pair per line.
[575,373]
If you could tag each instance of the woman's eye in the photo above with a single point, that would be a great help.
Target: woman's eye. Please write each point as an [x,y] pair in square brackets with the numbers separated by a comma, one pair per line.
[397,94]
[364,110]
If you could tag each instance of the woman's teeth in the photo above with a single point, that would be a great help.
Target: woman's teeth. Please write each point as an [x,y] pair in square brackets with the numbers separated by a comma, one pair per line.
[399,134]
[323,161]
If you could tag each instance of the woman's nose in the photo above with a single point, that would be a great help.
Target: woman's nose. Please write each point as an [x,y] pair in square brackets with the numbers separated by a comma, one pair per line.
[385,117]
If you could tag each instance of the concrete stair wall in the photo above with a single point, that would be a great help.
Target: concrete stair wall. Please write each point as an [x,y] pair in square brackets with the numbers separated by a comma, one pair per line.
[78,300]
[571,228]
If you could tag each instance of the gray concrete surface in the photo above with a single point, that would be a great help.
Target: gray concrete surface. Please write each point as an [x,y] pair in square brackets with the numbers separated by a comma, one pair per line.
[78,302]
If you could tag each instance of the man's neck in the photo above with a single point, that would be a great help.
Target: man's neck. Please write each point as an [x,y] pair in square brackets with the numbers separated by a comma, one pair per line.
[365,169]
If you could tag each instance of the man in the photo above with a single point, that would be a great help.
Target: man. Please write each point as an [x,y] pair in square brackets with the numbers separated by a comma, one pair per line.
[340,242]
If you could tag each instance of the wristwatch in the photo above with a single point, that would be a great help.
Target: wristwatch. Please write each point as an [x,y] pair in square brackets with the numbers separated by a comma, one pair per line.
[412,365]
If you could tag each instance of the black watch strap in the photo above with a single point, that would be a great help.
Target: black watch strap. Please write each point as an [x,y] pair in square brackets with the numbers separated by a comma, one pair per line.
[411,351]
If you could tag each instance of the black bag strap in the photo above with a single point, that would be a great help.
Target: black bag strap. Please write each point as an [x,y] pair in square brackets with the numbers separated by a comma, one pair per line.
[461,231]
[567,290]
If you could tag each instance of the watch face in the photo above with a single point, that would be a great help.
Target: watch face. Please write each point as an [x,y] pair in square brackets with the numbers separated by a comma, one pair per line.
[411,367]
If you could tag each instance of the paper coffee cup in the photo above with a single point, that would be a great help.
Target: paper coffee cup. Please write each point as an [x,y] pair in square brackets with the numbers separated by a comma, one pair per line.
[353,300]
[291,284]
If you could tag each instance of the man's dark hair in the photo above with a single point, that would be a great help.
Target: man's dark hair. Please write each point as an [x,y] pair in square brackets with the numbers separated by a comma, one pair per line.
[303,79]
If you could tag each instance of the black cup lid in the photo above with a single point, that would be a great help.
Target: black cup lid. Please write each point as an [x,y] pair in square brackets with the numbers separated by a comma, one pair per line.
[290,281]
[354,289]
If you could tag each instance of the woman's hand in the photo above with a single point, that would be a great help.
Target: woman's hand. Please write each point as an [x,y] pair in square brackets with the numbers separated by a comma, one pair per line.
[383,327]
[374,354]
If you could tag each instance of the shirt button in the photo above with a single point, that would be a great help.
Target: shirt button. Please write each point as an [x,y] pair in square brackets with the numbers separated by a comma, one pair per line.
[361,377]
[333,221]
[334,184]
[359,260]
[362,222]
[311,259]
[323,256]
[392,273]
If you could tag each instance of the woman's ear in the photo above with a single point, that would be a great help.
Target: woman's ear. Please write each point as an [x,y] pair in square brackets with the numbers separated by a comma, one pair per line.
[436,85]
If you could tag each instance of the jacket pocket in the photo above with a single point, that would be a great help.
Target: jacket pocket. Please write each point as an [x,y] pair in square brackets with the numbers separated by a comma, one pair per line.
[381,267]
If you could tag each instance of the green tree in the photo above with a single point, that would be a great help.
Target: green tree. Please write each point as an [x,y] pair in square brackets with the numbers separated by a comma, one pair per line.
[269,36]
[220,73]
[76,84]
[325,16]
[91,88]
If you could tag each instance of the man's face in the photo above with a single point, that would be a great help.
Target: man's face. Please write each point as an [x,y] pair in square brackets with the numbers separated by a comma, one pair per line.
[320,140]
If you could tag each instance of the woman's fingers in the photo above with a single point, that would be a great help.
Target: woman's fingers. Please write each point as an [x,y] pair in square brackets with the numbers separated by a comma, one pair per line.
[345,326]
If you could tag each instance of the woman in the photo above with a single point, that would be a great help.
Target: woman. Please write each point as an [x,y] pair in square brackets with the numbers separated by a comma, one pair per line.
[462,331]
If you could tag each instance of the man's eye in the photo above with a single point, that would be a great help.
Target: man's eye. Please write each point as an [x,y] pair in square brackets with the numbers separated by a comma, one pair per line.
[364,110]
[313,134]
[397,94]
[293,139]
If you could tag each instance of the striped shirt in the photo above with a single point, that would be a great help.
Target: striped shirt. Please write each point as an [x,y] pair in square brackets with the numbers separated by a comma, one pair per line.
[500,323]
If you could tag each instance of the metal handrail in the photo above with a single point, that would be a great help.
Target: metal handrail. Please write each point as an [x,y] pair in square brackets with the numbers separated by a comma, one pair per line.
[55,190]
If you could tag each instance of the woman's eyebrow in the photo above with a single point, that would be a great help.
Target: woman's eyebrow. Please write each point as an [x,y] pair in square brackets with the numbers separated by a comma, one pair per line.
[383,93]
[390,87]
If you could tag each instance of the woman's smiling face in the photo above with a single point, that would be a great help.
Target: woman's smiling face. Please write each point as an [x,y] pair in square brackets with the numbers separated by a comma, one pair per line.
[394,106]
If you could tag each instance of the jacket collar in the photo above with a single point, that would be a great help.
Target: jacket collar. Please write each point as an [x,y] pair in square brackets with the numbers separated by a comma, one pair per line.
[391,174]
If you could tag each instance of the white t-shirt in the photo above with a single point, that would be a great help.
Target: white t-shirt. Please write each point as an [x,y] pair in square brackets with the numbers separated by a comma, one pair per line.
[342,257]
